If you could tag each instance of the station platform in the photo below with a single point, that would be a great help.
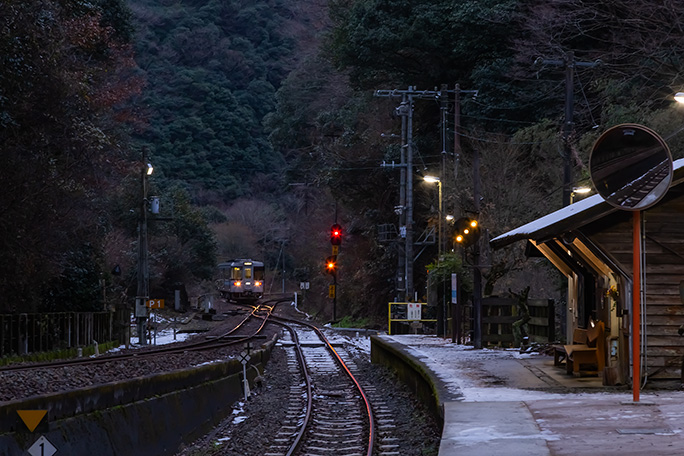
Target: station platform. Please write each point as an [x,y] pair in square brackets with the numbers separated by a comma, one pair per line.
[501,402]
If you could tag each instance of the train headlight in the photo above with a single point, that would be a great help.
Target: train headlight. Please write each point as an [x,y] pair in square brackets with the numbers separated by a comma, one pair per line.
[237,283]
[257,284]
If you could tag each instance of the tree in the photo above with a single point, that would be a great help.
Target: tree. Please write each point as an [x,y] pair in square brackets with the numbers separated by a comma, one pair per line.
[184,249]
[59,150]
[421,43]
[639,44]
[213,69]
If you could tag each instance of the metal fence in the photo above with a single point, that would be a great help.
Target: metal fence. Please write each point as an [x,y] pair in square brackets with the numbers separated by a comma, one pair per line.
[21,334]
[401,316]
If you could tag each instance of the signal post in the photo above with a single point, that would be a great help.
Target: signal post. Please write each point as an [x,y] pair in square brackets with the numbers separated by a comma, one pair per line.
[331,264]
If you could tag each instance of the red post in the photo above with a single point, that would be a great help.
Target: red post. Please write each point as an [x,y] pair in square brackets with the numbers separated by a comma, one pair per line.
[636,305]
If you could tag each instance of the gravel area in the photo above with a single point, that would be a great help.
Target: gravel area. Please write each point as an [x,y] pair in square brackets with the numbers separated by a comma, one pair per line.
[24,384]
[248,431]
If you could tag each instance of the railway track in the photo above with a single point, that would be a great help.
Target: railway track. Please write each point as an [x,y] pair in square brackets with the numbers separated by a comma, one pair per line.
[328,411]
[634,192]
[242,332]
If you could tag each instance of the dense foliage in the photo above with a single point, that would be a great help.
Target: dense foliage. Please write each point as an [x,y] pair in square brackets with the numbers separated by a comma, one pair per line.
[263,114]
[515,54]
[61,68]
[212,69]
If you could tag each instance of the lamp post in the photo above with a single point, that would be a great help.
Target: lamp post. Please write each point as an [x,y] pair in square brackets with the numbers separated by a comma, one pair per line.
[143,291]
[437,180]
[579,191]
[442,313]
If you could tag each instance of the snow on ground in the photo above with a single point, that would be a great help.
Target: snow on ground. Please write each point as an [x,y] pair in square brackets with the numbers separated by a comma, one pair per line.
[458,368]
[159,337]
[452,363]
[166,336]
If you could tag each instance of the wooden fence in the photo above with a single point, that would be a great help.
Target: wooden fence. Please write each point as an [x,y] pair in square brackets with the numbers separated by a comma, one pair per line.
[499,314]
[21,334]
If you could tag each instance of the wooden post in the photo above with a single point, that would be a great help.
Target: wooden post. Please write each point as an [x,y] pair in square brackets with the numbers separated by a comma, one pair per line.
[636,305]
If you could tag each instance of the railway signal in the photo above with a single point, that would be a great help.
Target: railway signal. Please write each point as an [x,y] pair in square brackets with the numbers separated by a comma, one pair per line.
[331,265]
[336,234]
[467,231]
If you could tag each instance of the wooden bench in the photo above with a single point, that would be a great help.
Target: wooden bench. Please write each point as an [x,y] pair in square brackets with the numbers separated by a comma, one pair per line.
[579,337]
[587,349]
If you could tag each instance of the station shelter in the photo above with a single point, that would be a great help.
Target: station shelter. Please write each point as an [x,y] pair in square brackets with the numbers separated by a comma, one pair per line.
[590,243]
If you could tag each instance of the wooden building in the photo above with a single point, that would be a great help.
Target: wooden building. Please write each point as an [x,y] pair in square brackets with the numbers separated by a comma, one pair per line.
[590,242]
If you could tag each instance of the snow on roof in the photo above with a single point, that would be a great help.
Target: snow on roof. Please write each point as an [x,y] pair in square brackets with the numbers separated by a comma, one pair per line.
[577,214]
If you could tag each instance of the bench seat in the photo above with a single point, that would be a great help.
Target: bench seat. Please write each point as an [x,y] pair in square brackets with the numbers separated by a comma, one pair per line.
[586,353]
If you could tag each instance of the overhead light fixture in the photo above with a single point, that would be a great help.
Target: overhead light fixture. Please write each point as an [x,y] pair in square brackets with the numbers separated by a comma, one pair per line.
[581,190]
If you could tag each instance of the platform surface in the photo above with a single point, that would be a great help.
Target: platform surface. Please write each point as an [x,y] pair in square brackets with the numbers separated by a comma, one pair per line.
[501,402]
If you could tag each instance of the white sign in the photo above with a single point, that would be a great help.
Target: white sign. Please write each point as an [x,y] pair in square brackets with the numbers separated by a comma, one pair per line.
[413,311]
[244,357]
[42,447]
[454,288]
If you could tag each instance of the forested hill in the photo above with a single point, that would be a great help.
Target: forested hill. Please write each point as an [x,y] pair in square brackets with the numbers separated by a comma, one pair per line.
[212,70]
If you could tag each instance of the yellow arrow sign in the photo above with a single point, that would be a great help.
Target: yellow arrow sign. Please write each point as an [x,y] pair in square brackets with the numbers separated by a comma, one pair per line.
[31,418]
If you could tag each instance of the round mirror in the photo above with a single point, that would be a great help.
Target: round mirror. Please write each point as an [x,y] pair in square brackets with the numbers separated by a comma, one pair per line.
[631,167]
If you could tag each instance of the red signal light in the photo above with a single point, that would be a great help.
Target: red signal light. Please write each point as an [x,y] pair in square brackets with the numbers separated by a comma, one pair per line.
[336,234]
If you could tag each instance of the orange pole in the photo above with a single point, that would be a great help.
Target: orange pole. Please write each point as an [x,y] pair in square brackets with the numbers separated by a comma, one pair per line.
[636,305]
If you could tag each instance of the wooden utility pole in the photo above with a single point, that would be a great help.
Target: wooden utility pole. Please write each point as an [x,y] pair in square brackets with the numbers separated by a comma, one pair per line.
[477,274]
[569,64]
[457,129]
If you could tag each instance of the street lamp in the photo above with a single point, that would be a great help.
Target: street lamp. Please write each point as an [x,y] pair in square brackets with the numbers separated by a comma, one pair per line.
[143,291]
[432,180]
[679,97]
[578,191]
[442,313]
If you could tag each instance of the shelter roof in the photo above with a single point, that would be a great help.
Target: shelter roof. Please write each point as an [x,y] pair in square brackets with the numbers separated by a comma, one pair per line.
[570,217]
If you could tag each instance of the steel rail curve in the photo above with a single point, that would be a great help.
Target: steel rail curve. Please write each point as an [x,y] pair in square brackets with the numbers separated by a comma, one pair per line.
[217,342]
[369,412]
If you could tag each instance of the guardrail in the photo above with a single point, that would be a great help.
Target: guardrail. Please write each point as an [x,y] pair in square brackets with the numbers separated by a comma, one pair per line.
[402,314]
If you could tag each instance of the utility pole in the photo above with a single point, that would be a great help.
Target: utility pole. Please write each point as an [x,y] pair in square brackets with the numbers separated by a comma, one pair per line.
[401,258]
[405,111]
[477,274]
[442,172]
[143,290]
[569,63]
[457,129]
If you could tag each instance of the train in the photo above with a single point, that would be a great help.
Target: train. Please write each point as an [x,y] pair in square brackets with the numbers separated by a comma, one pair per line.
[241,280]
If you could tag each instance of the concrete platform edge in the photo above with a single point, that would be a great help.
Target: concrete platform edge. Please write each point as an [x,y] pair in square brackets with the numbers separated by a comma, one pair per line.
[473,428]
[413,373]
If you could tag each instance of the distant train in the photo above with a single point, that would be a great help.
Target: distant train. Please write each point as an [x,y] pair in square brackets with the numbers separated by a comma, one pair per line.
[241,280]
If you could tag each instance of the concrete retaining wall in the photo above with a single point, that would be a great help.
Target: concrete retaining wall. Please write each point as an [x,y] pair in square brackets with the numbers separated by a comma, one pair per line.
[147,416]
[413,373]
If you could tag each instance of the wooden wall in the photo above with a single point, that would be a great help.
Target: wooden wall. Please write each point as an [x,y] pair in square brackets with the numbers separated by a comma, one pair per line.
[664,253]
